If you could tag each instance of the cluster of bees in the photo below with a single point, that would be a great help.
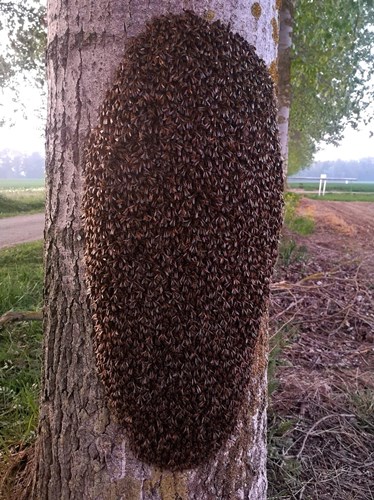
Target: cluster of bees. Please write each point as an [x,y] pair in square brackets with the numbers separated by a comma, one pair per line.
[182,208]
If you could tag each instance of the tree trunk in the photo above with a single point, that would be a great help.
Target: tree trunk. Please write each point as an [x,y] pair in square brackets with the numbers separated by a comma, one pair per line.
[284,76]
[80,451]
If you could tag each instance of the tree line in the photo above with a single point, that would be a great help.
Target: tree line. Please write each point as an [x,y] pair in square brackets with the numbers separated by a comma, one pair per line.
[323,73]
[362,169]
[16,165]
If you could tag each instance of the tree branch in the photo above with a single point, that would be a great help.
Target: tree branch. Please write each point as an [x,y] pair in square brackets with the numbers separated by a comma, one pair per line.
[10,316]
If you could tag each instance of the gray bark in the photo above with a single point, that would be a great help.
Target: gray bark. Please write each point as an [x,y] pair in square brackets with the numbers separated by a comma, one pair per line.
[81,452]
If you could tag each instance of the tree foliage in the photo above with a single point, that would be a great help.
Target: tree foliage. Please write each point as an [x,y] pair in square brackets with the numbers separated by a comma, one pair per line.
[15,165]
[331,73]
[23,41]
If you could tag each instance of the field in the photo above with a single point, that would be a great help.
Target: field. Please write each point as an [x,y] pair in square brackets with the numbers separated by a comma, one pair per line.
[335,191]
[368,197]
[21,184]
[352,187]
[21,196]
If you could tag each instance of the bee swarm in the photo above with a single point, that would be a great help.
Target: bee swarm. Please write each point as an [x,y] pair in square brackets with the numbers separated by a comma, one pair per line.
[182,207]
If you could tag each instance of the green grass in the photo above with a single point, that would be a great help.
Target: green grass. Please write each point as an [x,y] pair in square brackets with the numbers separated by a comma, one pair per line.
[303,225]
[342,197]
[21,196]
[290,252]
[363,406]
[283,471]
[277,343]
[334,186]
[18,202]
[21,282]
[17,184]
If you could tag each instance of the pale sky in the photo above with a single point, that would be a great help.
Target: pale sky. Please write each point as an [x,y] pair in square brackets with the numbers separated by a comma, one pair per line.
[27,133]
[356,144]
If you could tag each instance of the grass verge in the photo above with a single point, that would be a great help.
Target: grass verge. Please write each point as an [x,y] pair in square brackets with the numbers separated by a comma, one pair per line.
[21,202]
[21,282]
[369,197]
[299,224]
[21,184]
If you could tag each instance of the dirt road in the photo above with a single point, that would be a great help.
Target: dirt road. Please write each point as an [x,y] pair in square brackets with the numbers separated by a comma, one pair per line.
[349,223]
[21,229]
[322,306]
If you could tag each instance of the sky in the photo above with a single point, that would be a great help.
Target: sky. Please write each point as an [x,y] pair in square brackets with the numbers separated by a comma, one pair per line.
[23,130]
[356,144]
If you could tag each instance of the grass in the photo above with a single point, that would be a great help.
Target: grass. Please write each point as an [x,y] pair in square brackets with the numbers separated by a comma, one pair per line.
[362,402]
[21,202]
[21,196]
[342,197]
[299,224]
[290,252]
[21,282]
[356,187]
[283,337]
[283,470]
[17,184]
[303,225]
[290,473]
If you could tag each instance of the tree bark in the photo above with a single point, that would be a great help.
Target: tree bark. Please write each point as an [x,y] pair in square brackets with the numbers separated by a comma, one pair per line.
[81,452]
[284,76]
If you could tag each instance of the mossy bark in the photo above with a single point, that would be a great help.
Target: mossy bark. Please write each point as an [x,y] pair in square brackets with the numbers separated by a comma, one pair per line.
[81,452]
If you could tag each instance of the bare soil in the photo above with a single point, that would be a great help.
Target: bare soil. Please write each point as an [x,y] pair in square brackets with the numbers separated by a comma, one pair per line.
[322,411]
[350,223]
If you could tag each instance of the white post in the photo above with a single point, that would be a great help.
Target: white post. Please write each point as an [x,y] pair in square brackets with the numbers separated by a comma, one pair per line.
[322,185]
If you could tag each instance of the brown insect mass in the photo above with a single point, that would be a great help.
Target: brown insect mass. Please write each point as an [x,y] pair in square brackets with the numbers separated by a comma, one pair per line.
[182,204]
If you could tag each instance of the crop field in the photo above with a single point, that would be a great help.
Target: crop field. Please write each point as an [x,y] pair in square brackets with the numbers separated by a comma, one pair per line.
[21,184]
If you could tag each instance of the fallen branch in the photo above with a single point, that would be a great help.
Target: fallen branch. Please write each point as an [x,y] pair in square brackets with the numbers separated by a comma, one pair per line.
[310,431]
[11,316]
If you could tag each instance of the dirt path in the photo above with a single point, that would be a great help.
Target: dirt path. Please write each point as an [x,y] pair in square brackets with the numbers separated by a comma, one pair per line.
[323,305]
[21,229]
[342,225]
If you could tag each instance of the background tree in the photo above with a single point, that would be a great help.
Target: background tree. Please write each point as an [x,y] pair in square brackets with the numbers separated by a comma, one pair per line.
[21,166]
[330,71]
[286,15]
[81,452]
[23,32]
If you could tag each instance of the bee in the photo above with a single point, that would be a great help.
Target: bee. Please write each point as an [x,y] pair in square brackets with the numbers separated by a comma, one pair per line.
[182,210]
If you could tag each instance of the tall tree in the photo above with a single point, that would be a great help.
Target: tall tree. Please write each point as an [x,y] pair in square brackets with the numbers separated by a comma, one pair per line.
[286,15]
[23,32]
[327,76]
[81,452]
